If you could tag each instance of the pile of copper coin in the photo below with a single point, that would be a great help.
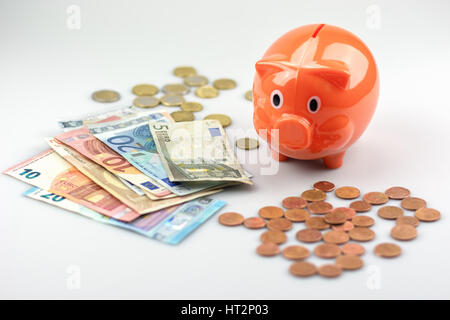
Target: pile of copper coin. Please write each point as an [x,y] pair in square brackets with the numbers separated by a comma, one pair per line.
[338,233]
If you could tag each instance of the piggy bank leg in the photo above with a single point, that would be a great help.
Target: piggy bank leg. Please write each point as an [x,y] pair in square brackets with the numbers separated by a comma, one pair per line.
[278,156]
[334,161]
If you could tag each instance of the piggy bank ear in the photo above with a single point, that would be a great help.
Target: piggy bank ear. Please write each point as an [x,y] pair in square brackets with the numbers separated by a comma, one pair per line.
[335,72]
[264,67]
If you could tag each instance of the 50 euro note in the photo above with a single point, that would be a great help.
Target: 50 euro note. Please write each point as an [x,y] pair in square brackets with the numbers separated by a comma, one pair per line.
[170,225]
[89,146]
[196,151]
[132,139]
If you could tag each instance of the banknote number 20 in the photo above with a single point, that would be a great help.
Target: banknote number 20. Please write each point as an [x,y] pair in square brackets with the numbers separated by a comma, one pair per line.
[30,174]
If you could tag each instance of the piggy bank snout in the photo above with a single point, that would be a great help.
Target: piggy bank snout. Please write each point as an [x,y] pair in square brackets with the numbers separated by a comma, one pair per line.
[294,131]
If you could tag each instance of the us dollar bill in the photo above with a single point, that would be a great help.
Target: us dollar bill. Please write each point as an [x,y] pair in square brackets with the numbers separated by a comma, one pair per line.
[196,151]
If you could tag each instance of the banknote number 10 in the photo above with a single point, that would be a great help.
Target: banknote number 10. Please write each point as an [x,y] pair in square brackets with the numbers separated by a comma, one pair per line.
[30,174]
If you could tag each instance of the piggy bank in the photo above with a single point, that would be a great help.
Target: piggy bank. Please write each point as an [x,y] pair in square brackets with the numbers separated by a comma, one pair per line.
[314,92]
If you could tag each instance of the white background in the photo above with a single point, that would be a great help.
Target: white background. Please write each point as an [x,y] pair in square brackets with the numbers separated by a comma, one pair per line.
[48,71]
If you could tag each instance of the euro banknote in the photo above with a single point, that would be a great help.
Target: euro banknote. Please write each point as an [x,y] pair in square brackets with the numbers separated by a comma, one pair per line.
[170,225]
[196,151]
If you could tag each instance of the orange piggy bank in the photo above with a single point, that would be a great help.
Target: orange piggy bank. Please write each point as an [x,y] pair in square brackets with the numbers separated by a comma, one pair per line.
[315,91]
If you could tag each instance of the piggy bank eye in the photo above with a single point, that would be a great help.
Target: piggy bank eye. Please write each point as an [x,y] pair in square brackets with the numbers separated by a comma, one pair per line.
[276,98]
[313,104]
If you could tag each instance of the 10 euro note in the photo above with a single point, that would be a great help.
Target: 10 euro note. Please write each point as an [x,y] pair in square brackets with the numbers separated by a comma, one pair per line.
[196,151]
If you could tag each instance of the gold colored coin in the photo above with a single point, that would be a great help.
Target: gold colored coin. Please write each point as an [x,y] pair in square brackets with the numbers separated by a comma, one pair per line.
[327,251]
[184,71]
[346,226]
[175,88]
[404,232]
[325,186]
[427,214]
[224,84]
[191,106]
[274,236]
[320,207]
[231,219]
[397,193]
[145,90]
[309,235]
[407,220]
[105,96]
[254,223]
[317,223]
[363,221]
[388,250]
[375,198]
[329,271]
[336,237]
[360,206]
[249,95]
[271,212]
[224,120]
[335,217]
[314,195]
[172,100]
[412,203]
[196,81]
[146,102]
[302,269]
[349,262]
[294,203]
[361,234]
[296,215]
[268,249]
[295,252]
[280,224]
[247,143]
[349,212]
[181,116]
[390,212]
[353,249]
[347,192]
[207,92]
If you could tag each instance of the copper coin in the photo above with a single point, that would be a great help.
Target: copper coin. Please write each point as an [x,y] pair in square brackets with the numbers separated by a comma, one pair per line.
[336,237]
[231,219]
[329,271]
[412,203]
[397,193]
[325,186]
[363,221]
[273,236]
[349,262]
[388,250]
[296,215]
[271,212]
[268,249]
[303,269]
[408,220]
[320,207]
[295,252]
[346,226]
[327,251]
[280,224]
[404,232]
[360,206]
[255,223]
[294,203]
[361,234]
[427,214]
[375,198]
[336,217]
[317,223]
[347,192]
[390,212]
[353,249]
[349,212]
[309,235]
[314,195]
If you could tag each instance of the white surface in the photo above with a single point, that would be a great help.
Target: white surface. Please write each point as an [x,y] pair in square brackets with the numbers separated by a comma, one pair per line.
[48,71]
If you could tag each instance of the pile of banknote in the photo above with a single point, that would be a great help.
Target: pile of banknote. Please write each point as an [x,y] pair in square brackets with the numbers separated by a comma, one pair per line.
[136,169]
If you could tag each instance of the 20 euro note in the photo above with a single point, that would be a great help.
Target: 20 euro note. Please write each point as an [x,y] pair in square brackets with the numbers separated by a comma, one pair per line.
[85,143]
[170,225]
[196,151]
[49,171]
[132,139]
